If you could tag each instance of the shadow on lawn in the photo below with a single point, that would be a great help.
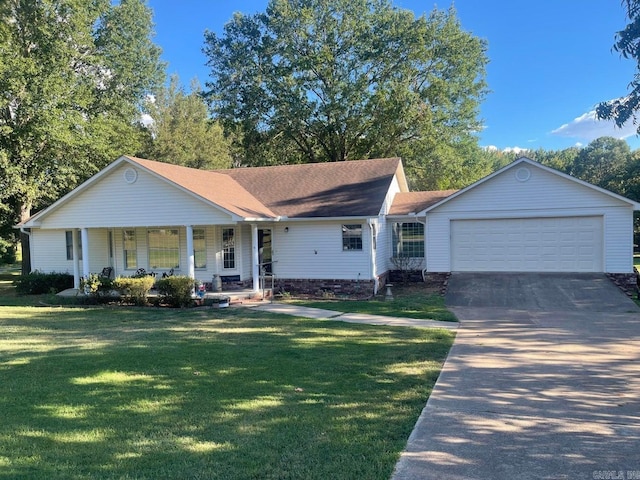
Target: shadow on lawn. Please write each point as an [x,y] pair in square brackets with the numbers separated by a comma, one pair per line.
[99,393]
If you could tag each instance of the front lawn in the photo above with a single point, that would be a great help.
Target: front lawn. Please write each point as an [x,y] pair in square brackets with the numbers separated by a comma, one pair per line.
[151,393]
[411,301]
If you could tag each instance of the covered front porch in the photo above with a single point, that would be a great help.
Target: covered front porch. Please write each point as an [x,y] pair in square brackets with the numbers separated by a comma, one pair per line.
[234,256]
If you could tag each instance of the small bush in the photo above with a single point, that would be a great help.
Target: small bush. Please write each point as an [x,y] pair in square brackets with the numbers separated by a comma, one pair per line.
[134,289]
[176,291]
[37,283]
[96,285]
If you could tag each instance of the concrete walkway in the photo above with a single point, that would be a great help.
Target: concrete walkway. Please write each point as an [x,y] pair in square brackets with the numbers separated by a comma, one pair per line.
[320,314]
[550,391]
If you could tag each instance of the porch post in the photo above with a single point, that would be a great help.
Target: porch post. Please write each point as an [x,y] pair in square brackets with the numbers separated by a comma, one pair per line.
[255,258]
[191,258]
[84,234]
[76,259]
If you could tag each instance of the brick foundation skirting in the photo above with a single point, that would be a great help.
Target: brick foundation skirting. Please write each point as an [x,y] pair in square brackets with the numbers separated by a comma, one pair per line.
[320,287]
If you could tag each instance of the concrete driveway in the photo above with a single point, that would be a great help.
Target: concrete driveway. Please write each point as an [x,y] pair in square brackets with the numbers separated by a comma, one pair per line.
[543,382]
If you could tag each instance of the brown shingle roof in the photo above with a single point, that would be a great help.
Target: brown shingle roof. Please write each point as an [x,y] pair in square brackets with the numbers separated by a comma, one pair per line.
[338,189]
[413,202]
[215,187]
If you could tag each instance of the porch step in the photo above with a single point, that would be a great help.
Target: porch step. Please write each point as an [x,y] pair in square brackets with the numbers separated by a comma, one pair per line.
[240,296]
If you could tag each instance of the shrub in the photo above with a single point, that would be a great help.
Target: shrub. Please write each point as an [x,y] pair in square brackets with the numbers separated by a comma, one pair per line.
[134,289]
[177,291]
[96,285]
[37,283]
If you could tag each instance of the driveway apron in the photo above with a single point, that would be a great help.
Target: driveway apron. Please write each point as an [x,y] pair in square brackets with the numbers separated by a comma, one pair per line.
[543,382]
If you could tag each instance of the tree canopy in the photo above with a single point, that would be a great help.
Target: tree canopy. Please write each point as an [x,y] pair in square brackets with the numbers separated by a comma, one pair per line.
[181,131]
[73,75]
[310,80]
[627,43]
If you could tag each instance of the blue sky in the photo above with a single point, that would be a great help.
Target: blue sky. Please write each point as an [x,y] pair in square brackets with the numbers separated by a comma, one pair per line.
[551,61]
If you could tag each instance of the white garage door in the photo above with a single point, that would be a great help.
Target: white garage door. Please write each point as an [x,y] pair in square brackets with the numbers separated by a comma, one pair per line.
[566,244]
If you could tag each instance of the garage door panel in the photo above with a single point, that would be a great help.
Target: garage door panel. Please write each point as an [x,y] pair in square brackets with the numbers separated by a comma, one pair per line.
[538,244]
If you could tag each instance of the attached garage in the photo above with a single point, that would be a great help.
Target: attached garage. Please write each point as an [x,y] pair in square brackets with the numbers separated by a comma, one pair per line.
[555,244]
[527,217]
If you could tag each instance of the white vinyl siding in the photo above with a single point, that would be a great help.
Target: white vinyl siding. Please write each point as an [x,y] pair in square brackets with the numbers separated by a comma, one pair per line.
[48,251]
[313,250]
[150,201]
[543,195]
[383,248]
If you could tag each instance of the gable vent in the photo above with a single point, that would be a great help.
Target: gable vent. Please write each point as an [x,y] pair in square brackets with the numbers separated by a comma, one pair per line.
[523,174]
[130,175]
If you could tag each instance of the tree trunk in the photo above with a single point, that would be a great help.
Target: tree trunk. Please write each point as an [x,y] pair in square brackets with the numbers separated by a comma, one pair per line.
[25,213]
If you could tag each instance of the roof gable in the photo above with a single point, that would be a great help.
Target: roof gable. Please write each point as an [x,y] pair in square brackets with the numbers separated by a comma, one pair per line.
[524,161]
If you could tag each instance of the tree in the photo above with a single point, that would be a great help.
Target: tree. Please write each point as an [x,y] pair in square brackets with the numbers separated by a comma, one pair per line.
[73,75]
[310,80]
[627,41]
[182,132]
[603,163]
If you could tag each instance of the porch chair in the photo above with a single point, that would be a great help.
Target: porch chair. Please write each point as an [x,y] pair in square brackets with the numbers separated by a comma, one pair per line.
[106,272]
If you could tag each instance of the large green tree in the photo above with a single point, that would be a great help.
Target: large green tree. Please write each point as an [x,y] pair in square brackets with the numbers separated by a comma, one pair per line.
[627,43]
[311,80]
[73,75]
[181,131]
[604,162]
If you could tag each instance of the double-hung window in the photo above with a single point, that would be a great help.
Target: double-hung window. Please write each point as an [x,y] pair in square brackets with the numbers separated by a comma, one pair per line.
[69,244]
[130,249]
[408,240]
[352,237]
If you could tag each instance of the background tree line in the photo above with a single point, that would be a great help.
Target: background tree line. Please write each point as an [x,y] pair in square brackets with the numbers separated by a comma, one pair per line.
[81,83]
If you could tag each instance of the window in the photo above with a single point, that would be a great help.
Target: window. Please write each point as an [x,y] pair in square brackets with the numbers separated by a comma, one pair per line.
[69,241]
[352,237]
[164,248]
[130,249]
[408,240]
[229,247]
[199,248]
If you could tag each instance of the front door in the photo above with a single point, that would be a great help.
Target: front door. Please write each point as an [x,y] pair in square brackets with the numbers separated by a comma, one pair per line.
[264,250]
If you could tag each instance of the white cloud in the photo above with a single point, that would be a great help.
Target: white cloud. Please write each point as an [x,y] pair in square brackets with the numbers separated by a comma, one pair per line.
[588,127]
[516,150]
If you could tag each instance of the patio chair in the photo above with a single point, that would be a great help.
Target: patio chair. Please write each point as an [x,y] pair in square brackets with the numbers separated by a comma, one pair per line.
[106,272]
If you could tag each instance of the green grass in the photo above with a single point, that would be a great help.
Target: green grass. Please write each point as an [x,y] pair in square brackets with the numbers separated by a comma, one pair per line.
[147,393]
[412,301]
